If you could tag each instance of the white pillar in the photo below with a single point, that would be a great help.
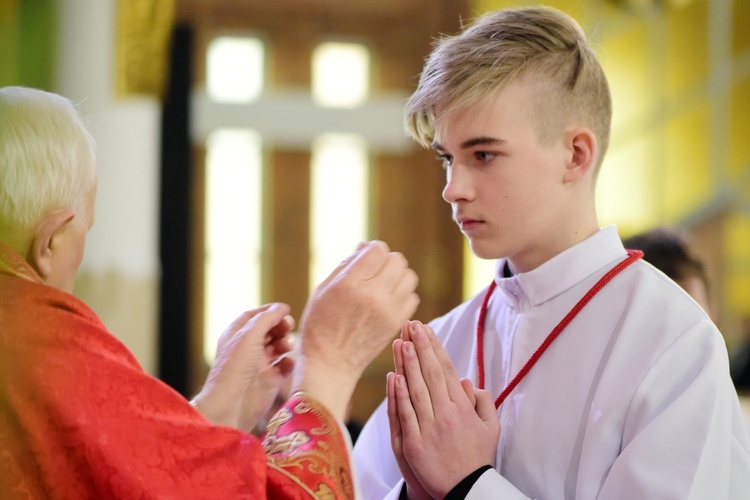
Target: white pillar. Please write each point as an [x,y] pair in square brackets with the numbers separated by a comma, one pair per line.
[119,274]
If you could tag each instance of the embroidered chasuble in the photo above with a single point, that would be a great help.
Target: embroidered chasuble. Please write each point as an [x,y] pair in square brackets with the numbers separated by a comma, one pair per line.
[80,419]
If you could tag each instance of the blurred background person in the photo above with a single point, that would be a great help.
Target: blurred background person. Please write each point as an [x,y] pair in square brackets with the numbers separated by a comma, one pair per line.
[669,251]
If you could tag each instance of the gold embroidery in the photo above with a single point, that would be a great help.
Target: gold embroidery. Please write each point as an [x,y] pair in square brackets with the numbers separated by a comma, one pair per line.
[280,418]
[324,492]
[12,263]
[292,477]
[301,408]
[285,444]
[313,450]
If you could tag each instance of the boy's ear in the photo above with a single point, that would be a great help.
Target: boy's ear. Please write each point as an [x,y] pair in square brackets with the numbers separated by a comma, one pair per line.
[43,245]
[582,145]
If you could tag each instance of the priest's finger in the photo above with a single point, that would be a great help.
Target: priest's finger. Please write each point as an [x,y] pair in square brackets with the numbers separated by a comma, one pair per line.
[255,331]
[281,329]
[377,249]
[279,346]
[368,262]
[240,321]
[398,283]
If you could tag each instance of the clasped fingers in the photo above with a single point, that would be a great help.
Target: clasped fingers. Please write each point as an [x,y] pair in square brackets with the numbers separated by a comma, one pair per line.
[446,390]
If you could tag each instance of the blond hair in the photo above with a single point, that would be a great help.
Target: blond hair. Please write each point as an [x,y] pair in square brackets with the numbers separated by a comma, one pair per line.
[46,158]
[498,48]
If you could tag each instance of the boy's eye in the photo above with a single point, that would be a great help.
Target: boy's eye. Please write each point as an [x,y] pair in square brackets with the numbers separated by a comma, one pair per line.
[446,160]
[484,156]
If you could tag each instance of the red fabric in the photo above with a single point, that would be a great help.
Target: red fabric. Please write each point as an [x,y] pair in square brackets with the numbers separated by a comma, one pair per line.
[80,419]
[303,440]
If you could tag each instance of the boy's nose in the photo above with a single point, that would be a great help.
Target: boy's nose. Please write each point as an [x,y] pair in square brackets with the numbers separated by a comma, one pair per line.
[457,186]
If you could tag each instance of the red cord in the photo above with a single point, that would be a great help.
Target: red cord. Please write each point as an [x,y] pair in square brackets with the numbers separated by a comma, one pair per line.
[633,255]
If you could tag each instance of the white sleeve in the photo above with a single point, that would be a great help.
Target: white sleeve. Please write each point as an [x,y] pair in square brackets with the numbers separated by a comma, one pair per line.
[374,464]
[492,486]
[680,438]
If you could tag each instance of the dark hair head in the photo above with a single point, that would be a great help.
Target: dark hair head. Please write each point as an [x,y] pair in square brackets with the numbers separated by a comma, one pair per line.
[669,251]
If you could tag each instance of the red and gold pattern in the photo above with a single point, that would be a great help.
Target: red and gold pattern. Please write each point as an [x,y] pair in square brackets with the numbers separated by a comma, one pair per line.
[11,263]
[304,441]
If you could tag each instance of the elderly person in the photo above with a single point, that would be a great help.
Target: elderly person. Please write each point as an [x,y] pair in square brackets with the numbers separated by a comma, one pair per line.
[79,418]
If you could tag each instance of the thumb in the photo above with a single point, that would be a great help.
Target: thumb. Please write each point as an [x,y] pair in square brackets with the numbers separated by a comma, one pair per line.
[485,406]
[468,388]
[361,247]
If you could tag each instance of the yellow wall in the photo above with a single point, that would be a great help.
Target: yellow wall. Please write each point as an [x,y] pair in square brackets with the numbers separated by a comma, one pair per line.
[679,71]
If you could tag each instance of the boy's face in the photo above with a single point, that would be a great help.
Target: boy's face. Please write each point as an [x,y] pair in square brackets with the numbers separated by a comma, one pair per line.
[506,189]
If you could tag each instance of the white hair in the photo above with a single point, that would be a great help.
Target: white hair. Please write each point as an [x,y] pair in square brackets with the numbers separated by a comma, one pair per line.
[47,158]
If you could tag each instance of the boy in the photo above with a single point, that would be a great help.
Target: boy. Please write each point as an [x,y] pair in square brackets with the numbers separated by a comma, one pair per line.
[627,397]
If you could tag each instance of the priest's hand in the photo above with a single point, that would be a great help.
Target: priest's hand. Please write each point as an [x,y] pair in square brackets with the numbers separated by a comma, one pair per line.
[251,364]
[350,318]
[447,429]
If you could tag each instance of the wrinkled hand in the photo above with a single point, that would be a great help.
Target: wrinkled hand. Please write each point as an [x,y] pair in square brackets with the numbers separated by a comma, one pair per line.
[350,318]
[442,429]
[250,367]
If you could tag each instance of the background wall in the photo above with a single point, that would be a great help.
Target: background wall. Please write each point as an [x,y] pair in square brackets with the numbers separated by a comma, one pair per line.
[28,35]
[119,274]
[67,46]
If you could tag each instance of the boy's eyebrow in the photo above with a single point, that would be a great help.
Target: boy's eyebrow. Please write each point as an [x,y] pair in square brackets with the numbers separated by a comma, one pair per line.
[482,141]
[476,141]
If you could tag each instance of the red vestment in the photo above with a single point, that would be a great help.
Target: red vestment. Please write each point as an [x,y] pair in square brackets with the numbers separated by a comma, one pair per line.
[80,419]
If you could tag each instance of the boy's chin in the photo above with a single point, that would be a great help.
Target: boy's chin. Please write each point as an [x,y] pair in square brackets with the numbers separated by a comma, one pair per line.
[483,252]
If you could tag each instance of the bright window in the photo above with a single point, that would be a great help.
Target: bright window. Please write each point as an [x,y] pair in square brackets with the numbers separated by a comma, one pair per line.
[233,230]
[339,201]
[234,72]
[341,74]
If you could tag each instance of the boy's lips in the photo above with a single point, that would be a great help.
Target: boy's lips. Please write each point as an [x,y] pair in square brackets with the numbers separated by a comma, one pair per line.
[468,223]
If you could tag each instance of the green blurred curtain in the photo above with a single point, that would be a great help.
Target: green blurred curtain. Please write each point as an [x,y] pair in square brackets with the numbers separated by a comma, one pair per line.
[28,30]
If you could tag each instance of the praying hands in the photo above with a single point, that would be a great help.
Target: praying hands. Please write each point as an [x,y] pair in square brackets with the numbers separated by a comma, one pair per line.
[442,428]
